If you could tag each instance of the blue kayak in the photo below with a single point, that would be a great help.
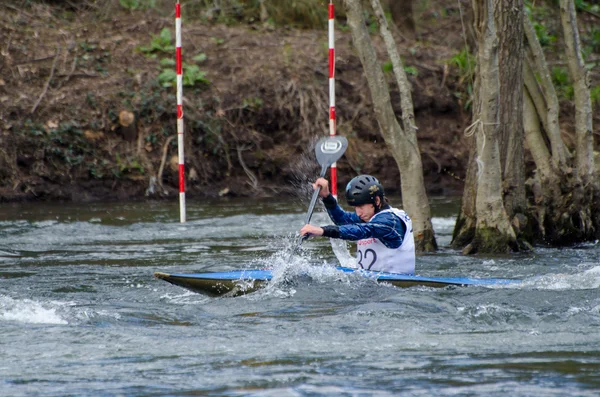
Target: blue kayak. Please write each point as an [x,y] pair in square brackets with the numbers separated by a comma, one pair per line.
[240,282]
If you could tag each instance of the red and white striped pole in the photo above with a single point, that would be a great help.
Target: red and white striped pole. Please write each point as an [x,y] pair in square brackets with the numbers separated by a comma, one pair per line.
[180,112]
[332,91]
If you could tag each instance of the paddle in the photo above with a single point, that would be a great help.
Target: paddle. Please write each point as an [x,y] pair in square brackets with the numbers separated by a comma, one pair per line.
[328,151]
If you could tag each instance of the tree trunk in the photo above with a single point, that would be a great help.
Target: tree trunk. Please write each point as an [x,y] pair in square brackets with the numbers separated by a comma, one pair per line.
[415,200]
[536,142]
[548,109]
[566,209]
[493,230]
[402,144]
[511,133]
[581,85]
[464,230]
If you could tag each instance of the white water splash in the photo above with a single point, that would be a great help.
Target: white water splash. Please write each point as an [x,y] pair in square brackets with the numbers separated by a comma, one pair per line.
[588,279]
[288,267]
[185,298]
[28,311]
[343,255]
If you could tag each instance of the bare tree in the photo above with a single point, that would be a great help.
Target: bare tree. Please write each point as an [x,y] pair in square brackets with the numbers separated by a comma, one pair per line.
[565,190]
[401,142]
[484,224]
[581,83]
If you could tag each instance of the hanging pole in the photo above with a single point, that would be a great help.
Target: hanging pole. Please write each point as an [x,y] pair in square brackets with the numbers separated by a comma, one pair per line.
[332,120]
[180,112]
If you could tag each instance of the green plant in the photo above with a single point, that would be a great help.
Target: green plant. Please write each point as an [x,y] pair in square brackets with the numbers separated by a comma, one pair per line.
[466,98]
[200,58]
[137,4]
[192,75]
[254,103]
[562,83]
[160,43]
[411,70]
[546,39]
[389,68]
[373,26]
[592,42]
[127,165]
[465,62]
[595,95]
[582,5]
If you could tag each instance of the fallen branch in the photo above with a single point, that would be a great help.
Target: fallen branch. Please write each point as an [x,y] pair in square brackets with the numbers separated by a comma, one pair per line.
[34,60]
[249,173]
[47,81]
[163,160]
[81,75]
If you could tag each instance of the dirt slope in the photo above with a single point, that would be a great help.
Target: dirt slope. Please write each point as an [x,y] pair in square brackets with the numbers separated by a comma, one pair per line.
[65,77]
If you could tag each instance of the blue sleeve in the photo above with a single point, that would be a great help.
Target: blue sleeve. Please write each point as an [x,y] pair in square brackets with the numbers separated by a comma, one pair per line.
[388,228]
[337,214]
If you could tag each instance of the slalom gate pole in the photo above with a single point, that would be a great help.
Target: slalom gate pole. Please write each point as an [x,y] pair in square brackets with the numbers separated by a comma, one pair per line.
[332,120]
[180,112]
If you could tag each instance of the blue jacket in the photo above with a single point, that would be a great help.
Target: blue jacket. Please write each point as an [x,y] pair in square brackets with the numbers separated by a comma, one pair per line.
[387,227]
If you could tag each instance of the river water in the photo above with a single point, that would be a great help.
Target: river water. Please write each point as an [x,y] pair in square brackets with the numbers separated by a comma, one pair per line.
[82,315]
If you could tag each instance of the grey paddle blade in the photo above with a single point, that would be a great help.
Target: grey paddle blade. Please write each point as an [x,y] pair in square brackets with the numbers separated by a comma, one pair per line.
[330,149]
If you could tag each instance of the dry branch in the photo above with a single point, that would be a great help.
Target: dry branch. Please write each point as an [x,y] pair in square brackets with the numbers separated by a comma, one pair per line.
[163,161]
[47,81]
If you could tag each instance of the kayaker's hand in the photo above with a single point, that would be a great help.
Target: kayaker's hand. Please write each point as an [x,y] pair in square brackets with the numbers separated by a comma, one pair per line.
[310,230]
[324,184]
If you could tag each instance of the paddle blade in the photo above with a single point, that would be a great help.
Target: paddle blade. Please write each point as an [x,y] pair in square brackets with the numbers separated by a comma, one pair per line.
[330,149]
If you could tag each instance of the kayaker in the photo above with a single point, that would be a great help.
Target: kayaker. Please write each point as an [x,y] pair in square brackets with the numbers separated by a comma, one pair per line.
[384,234]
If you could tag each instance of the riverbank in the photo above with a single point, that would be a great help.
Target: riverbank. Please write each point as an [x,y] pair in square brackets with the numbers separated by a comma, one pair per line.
[256,99]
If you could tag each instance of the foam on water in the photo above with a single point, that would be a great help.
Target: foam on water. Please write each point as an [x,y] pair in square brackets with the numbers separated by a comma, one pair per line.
[29,311]
[588,279]
[443,225]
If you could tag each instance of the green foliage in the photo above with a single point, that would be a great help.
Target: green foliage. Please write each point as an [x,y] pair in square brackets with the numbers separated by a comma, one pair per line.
[546,39]
[540,17]
[138,4]
[87,47]
[591,43]
[65,142]
[296,13]
[304,14]
[209,134]
[562,83]
[128,165]
[582,5]
[466,98]
[253,103]
[411,70]
[389,68]
[160,43]
[192,75]
[199,58]
[595,95]
[465,62]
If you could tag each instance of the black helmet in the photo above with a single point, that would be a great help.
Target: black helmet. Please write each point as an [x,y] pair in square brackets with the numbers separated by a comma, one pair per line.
[362,190]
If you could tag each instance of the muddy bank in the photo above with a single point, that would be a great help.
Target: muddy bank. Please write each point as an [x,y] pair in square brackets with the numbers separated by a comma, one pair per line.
[258,101]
